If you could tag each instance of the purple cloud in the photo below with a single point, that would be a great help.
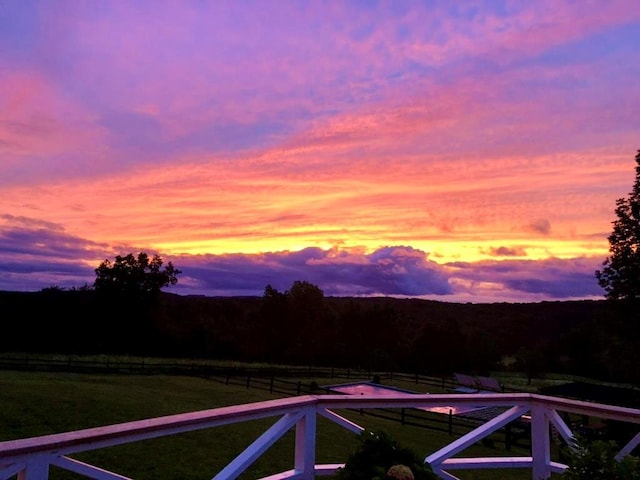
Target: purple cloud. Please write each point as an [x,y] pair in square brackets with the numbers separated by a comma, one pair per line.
[508,252]
[535,280]
[399,271]
[541,226]
[35,255]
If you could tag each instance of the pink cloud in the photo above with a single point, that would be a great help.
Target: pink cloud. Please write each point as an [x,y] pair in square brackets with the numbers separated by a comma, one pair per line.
[40,131]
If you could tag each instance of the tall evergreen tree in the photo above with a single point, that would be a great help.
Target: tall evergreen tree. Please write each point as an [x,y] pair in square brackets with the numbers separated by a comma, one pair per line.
[620,276]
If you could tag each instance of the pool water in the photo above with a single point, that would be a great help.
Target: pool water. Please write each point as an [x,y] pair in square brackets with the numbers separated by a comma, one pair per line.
[367,388]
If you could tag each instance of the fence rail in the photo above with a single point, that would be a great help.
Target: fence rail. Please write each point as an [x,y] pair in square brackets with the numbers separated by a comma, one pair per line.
[151,367]
[281,380]
[31,458]
[204,369]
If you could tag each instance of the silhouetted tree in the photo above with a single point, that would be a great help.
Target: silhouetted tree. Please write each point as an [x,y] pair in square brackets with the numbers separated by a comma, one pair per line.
[620,277]
[306,300]
[274,329]
[135,276]
[288,320]
[532,361]
[306,323]
[128,290]
[273,302]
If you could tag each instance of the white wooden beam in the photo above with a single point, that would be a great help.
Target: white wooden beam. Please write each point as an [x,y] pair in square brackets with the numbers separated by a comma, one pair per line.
[305,447]
[328,468]
[340,420]
[628,448]
[11,470]
[540,443]
[258,447]
[85,469]
[36,468]
[475,435]
[561,427]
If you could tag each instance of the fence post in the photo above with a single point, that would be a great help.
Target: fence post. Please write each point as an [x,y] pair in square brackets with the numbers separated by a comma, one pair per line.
[450,421]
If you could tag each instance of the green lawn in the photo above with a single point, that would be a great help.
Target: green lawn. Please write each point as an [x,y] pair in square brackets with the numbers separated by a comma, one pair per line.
[34,403]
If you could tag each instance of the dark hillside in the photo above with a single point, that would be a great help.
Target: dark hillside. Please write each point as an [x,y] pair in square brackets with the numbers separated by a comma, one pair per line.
[581,337]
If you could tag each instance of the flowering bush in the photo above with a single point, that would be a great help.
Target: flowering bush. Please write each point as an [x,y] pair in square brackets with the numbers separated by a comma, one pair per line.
[400,472]
[379,457]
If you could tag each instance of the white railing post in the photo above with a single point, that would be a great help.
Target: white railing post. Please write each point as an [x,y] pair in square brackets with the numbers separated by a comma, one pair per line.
[540,443]
[36,468]
[305,454]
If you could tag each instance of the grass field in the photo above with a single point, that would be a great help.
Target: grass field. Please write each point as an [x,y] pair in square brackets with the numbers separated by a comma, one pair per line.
[36,403]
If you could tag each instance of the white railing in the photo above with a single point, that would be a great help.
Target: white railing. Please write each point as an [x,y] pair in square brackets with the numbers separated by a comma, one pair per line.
[30,458]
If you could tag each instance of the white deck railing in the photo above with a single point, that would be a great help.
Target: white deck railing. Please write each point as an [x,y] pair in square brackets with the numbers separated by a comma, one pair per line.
[30,458]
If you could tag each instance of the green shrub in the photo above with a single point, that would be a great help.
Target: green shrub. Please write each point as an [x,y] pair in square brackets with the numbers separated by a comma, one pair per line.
[595,460]
[376,454]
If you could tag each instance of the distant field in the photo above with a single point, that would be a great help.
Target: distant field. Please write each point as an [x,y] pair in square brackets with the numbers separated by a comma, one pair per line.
[36,403]
[511,380]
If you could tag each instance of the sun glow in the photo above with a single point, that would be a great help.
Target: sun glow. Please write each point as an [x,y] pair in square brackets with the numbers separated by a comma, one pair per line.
[440,251]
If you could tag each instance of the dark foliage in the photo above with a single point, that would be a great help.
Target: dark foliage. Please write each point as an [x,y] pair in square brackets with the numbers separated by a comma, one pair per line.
[135,276]
[591,338]
[620,277]
[376,454]
[595,460]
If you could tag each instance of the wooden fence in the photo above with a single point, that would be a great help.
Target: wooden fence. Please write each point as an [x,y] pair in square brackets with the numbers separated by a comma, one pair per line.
[280,380]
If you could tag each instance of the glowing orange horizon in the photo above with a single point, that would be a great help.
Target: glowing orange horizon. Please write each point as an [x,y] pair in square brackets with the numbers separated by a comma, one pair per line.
[453,214]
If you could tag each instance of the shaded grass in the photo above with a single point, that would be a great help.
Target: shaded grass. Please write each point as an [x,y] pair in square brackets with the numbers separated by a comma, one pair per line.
[104,358]
[36,403]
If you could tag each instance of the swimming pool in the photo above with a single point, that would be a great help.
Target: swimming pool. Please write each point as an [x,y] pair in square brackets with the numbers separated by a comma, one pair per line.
[369,388]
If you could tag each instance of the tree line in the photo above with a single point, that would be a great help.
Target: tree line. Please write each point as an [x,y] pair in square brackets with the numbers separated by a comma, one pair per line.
[301,326]
[125,311]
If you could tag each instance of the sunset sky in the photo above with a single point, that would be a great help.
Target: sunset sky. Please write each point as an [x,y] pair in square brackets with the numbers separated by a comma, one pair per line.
[458,151]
